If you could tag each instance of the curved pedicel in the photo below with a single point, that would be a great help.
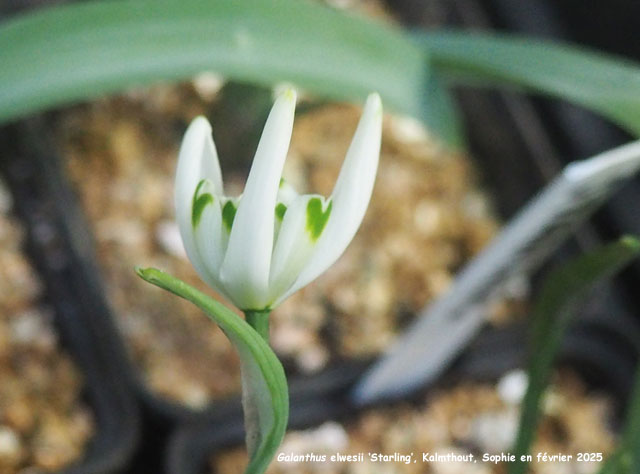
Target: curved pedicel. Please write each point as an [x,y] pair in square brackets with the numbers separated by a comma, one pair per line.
[60,250]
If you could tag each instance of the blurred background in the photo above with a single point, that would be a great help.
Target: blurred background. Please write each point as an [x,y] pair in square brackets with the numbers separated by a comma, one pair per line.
[102,373]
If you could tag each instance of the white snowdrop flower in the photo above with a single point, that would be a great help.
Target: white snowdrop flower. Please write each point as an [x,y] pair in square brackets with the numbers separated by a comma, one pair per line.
[259,248]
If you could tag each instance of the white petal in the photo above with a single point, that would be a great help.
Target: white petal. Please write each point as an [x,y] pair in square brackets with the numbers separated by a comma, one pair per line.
[350,196]
[197,160]
[245,269]
[293,247]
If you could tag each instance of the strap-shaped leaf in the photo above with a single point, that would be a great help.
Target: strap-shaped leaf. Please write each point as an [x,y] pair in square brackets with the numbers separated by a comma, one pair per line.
[552,313]
[77,51]
[266,396]
[606,84]
[626,459]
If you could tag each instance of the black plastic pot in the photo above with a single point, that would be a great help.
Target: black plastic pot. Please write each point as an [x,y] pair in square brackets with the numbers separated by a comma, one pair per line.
[60,250]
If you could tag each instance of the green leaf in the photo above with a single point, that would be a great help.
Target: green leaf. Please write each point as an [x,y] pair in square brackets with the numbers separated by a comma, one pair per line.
[606,84]
[266,396]
[626,460]
[78,51]
[552,313]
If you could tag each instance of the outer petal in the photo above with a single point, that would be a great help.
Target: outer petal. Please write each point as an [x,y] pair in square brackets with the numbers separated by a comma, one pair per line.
[198,160]
[293,248]
[350,196]
[245,270]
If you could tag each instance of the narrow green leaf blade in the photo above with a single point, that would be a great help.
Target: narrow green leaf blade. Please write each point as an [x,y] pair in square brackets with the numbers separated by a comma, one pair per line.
[552,314]
[603,83]
[78,51]
[626,460]
[267,395]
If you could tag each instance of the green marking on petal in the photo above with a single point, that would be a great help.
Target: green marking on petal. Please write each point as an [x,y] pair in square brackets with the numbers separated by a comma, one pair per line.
[280,211]
[282,181]
[228,214]
[316,218]
[199,203]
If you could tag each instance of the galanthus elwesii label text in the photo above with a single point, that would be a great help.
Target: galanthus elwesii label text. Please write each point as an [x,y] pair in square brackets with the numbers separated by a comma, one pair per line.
[450,457]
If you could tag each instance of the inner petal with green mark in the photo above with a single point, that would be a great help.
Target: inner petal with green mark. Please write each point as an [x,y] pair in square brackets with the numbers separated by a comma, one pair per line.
[280,211]
[229,214]
[200,201]
[317,217]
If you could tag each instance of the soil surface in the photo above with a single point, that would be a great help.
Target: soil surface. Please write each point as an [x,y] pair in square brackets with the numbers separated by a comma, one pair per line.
[44,422]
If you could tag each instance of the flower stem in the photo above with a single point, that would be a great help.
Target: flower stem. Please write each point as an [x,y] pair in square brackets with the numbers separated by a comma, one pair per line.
[259,320]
